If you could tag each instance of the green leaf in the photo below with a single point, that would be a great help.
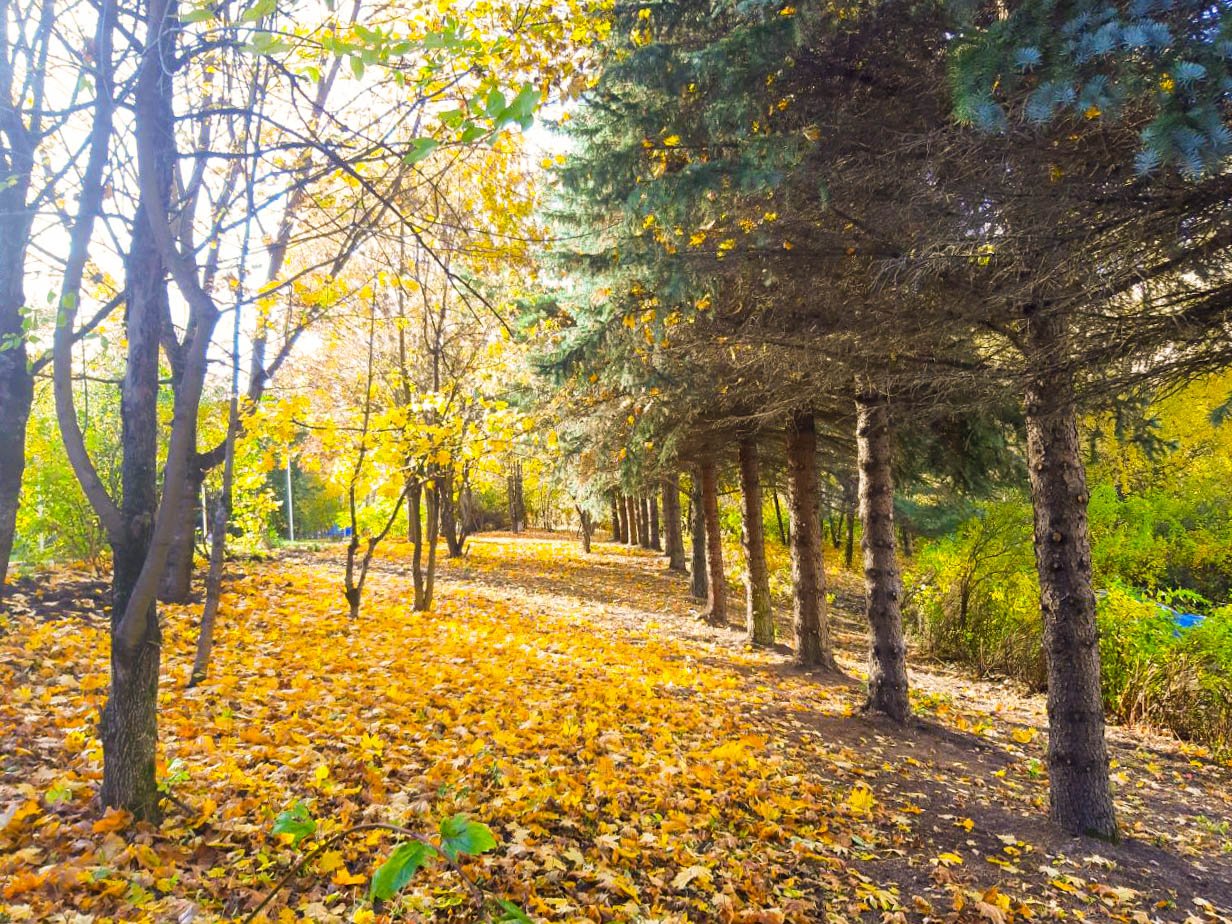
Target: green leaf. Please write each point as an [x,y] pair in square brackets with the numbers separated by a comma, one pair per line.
[296,822]
[495,103]
[258,9]
[522,109]
[201,14]
[420,148]
[472,132]
[357,67]
[396,872]
[513,913]
[461,836]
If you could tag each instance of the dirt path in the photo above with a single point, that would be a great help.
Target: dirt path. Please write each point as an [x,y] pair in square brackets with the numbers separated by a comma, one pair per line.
[968,775]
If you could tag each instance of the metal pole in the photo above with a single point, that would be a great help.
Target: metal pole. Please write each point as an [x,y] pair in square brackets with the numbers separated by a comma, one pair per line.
[290,504]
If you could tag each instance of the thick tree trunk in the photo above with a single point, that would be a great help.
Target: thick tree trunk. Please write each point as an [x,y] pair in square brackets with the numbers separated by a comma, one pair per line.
[622,519]
[759,617]
[655,541]
[1079,785]
[643,524]
[698,585]
[673,537]
[808,578]
[631,520]
[887,656]
[129,723]
[716,581]
[176,583]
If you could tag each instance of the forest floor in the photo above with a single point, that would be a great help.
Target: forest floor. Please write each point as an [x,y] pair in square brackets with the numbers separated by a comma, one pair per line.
[634,763]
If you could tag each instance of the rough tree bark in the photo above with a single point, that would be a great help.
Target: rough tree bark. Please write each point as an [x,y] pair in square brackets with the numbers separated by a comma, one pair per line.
[759,617]
[673,537]
[808,579]
[643,521]
[655,540]
[887,655]
[615,514]
[1079,785]
[716,581]
[631,520]
[697,537]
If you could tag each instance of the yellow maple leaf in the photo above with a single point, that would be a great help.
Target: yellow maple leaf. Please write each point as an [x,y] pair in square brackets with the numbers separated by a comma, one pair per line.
[861,799]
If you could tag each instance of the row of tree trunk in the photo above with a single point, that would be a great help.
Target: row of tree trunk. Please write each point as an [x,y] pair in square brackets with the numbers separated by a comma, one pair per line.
[1080,790]
[887,691]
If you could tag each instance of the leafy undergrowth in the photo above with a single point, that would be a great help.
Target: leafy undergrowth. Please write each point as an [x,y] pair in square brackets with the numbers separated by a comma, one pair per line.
[633,764]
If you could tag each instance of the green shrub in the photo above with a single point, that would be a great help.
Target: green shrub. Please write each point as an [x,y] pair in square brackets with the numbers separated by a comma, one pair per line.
[973,596]
[1159,675]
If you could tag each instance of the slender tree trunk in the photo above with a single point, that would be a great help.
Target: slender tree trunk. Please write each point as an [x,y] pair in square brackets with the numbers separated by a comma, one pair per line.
[433,515]
[778,516]
[887,656]
[1079,785]
[759,616]
[643,523]
[222,514]
[698,584]
[849,554]
[449,514]
[716,581]
[16,397]
[176,583]
[673,538]
[587,526]
[415,533]
[655,540]
[213,579]
[904,530]
[631,519]
[808,577]
[615,519]
[129,727]
[622,519]
[16,380]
